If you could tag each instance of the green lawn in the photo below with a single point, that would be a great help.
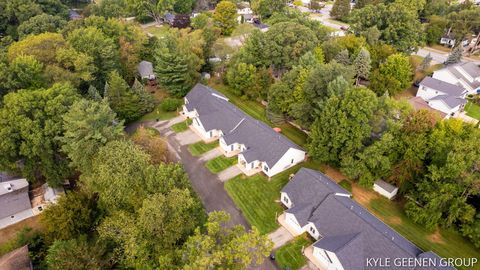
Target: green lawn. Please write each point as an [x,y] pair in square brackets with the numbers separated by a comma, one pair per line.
[256,196]
[199,148]
[472,110]
[158,113]
[445,243]
[220,163]
[290,255]
[159,31]
[257,111]
[182,126]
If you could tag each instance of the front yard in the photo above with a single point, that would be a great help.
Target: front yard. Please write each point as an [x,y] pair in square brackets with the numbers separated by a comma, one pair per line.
[290,255]
[182,126]
[220,163]
[200,148]
[472,110]
[257,197]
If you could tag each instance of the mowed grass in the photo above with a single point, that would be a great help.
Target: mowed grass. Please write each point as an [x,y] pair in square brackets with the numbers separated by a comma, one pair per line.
[182,126]
[472,110]
[199,148]
[220,163]
[158,31]
[257,111]
[290,255]
[446,243]
[257,197]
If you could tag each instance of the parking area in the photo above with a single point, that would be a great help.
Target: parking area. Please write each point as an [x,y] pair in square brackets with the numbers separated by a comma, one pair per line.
[280,237]
[187,137]
[216,152]
[229,173]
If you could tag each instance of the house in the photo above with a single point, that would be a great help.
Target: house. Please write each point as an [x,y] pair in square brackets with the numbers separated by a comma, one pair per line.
[448,39]
[418,103]
[245,14]
[74,15]
[17,259]
[177,20]
[385,189]
[258,147]
[346,235]
[443,96]
[466,75]
[15,203]
[145,69]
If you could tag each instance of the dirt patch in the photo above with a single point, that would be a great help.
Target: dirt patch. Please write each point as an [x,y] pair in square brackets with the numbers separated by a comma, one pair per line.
[395,220]
[363,196]
[9,233]
[436,237]
[333,173]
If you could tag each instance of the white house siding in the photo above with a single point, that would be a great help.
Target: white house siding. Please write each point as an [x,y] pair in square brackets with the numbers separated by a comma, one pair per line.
[285,200]
[229,148]
[427,93]
[7,221]
[197,124]
[189,114]
[312,230]
[248,165]
[293,223]
[385,193]
[290,158]
[441,106]
[327,258]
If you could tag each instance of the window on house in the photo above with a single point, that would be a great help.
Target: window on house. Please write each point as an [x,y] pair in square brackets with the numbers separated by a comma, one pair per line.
[328,257]
[285,199]
[312,230]
[231,147]
[265,168]
[211,133]
[291,161]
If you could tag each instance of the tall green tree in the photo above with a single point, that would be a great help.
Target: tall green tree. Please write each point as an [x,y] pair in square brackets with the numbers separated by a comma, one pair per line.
[88,125]
[25,72]
[155,9]
[393,76]
[455,56]
[362,65]
[223,247]
[340,9]
[342,125]
[241,77]
[266,8]
[30,121]
[225,17]
[40,24]
[123,101]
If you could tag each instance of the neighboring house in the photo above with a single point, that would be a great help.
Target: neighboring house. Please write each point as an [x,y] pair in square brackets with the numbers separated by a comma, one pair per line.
[17,259]
[15,203]
[385,189]
[246,13]
[258,146]
[466,75]
[419,104]
[74,15]
[346,234]
[177,20]
[449,40]
[145,69]
[442,96]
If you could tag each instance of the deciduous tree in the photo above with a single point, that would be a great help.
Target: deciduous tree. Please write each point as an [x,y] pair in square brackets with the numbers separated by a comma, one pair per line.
[225,17]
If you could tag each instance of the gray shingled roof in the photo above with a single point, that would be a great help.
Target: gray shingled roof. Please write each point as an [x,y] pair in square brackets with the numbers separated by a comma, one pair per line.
[14,200]
[145,69]
[451,101]
[338,217]
[215,112]
[458,75]
[444,87]
[302,212]
[386,186]
[470,68]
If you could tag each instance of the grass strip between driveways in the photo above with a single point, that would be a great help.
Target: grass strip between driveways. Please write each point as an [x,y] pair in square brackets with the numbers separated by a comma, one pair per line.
[472,110]
[200,148]
[220,163]
[257,197]
[290,255]
[182,126]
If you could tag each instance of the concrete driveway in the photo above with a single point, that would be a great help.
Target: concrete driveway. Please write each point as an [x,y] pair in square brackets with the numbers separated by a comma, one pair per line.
[211,154]
[184,138]
[280,237]
[229,173]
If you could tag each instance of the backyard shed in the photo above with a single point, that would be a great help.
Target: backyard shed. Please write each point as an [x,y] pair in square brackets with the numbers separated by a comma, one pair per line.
[385,189]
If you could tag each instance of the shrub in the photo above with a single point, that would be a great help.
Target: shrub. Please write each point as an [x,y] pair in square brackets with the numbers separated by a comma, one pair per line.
[170,104]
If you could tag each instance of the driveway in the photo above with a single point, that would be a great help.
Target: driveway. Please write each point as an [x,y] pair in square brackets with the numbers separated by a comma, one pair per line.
[280,237]
[211,154]
[183,138]
[229,173]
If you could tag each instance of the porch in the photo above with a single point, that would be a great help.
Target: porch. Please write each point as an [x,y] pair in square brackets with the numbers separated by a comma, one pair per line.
[308,252]
[283,222]
[230,153]
[247,171]
[202,136]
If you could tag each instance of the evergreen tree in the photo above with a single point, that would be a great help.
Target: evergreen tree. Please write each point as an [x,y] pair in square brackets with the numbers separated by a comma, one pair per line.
[455,56]
[122,100]
[343,58]
[340,9]
[146,100]
[425,64]
[93,93]
[362,65]
[172,71]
